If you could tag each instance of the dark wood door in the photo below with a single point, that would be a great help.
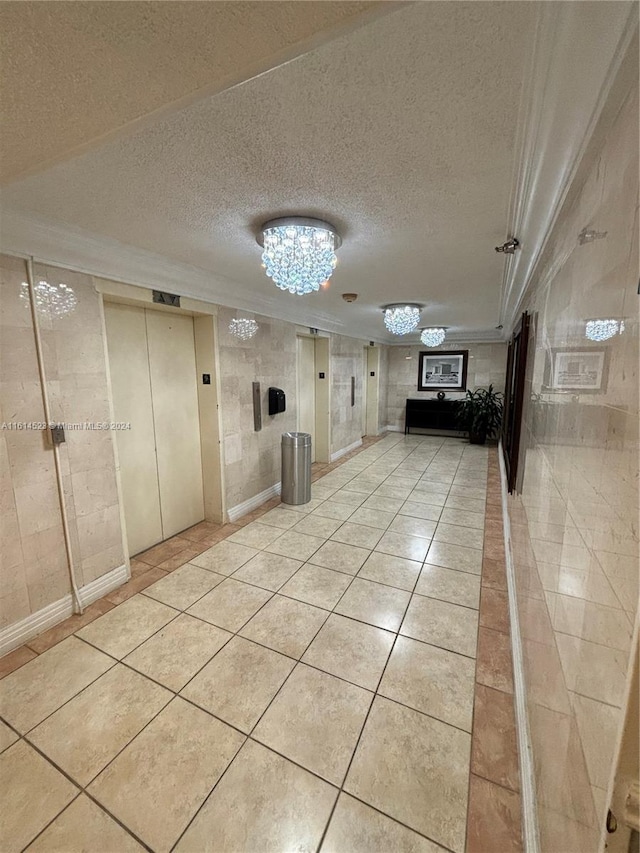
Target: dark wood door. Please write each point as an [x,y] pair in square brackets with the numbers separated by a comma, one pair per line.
[514,398]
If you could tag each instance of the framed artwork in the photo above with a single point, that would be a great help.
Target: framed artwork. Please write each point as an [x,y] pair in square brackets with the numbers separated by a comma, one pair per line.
[577,370]
[443,371]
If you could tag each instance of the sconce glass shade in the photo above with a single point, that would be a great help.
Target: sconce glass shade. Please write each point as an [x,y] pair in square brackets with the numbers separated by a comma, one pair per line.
[243,328]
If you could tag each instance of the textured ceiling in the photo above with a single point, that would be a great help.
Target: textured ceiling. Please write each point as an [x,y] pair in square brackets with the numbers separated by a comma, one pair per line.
[73,72]
[401,132]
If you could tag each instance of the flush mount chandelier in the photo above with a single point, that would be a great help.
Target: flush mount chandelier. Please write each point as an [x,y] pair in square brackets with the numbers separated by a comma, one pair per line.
[299,253]
[243,328]
[57,299]
[602,330]
[401,318]
[433,337]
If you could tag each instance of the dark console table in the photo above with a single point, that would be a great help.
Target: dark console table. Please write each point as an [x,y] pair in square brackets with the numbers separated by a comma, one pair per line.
[430,414]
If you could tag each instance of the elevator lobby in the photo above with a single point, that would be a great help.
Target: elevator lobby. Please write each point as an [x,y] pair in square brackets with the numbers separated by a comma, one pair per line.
[319,394]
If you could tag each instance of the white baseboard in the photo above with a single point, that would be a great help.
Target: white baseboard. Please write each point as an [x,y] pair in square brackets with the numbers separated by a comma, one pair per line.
[26,629]
[345,450]
[530,831]
[393,428]
[239,510]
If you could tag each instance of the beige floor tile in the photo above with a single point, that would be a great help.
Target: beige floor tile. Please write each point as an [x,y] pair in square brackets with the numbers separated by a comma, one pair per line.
[372,517]
[269,571]
[478,493]
[402,545]
[85,734]
[337,511]
[427,497]
[156,785]
[350,650]
[279,517]
[224,557]
[125,627]
[34,691]
[356,828]
[255,535]
[342,558]
[410,526]
[442,624]
[178,651]
[455,557]
[379,605]
[285,625]
[394,571]
[183,587]
[415,769]
[357,534]
[449,585]
[34,792]
[386,491]
[240,681]
[454,534]
[317,525]
[300,546]
[230,604]
[84,827]
[467,504]
[7,736]
[352,499]
[384,504]
[315,720]
[263,803]
[419,510]
[431,680]
[317,586]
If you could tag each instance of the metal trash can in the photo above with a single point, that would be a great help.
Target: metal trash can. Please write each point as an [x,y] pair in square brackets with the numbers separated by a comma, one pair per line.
[296,468]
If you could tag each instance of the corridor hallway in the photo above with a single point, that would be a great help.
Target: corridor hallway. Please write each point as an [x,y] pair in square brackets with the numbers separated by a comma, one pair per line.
[332,676]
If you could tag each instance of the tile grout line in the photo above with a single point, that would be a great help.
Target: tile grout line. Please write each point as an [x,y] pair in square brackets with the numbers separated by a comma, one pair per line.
[179,612]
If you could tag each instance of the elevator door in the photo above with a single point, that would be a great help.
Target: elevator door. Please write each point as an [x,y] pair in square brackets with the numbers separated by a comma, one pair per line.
[153,378]
[307,390]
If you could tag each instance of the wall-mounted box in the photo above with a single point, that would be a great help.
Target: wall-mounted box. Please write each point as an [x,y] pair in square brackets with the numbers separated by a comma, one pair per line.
[277,401]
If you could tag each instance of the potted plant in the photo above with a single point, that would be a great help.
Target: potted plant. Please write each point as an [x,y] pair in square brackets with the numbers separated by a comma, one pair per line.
[480,414]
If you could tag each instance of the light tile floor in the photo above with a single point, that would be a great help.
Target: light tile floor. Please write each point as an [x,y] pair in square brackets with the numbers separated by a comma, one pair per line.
[306,683]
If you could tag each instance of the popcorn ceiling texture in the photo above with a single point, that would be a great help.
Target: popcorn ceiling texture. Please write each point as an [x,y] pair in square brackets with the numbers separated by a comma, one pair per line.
[151,54]
[487,365]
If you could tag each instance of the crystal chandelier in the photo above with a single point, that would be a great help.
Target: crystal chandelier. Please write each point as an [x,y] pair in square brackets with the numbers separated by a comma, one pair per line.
[432,337]
[299,253]
[401,319]
[243,328]
[602,330]
[56,299]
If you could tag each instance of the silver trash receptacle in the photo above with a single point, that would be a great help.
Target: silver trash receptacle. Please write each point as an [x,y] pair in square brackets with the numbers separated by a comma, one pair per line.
[296,468]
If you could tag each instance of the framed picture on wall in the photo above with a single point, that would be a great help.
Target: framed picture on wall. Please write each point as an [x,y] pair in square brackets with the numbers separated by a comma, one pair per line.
[576,369]
[443,371]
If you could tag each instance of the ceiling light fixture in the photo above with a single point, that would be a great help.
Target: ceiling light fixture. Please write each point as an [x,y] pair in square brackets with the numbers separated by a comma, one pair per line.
[602,330]
[401,318]
[433,337]
[243,328]
[299,253]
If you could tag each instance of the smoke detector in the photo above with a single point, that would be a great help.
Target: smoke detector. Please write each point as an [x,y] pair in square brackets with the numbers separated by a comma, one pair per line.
[349,297]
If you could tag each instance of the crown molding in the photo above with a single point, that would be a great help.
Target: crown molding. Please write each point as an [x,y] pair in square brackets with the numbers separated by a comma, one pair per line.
[26,235]
[574,62]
